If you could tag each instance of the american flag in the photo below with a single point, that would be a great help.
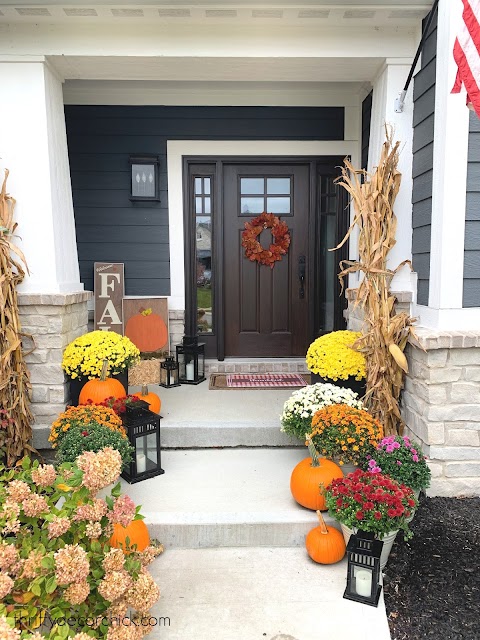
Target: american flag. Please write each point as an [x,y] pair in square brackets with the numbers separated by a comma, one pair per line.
[467,54]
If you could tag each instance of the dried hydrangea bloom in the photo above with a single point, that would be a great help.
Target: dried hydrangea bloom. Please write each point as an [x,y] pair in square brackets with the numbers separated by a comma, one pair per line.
[13,526]
[149,554]
[35,506]
[93,530]
[91,512]
[58,526]
[8,555]
[10,510]
[82,636]
[32,565]
[123,511]
[100,469]
[71,564]
[114,560]
[77,592]
[6,585]
[125,631]
[114,585]
[117,610]
[17,490]
[44,475]
[6,631]
[143,594]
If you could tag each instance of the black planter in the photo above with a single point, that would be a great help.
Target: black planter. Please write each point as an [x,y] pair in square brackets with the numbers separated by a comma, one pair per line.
[359,386]
[77,385]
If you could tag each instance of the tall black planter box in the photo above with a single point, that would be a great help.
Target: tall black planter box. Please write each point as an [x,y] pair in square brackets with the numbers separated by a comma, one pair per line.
[358,386]
[77,385]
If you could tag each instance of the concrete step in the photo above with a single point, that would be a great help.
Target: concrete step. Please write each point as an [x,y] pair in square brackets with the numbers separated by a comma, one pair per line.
[196,416]
[256,365]
[224,498]
[258,593]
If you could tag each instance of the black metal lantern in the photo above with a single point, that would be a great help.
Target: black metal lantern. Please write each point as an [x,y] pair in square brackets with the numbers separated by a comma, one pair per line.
[169,373]
[363,577]
[191,360]
[143,431]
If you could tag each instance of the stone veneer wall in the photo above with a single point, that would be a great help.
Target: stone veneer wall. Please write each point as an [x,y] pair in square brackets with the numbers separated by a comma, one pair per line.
[441,407]
[53,321]
[354,314]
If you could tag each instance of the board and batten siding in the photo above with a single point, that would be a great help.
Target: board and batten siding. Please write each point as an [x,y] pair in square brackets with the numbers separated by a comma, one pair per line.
[101,139]
[423,123]
[471,275]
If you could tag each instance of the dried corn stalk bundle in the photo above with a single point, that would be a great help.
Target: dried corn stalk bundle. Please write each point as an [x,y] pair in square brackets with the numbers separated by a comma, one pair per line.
[15,388]
[385,332]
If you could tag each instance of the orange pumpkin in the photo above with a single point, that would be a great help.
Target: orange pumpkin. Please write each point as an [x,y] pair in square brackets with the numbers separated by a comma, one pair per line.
[98,390]
[150,397]
[147,331]
[307,477]
[137,534]
[325,544]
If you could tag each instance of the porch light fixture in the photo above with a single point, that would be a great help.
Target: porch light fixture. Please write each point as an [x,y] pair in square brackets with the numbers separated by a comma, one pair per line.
[144,178]
[143,432]
[363,570]
[169,373]
[191,360]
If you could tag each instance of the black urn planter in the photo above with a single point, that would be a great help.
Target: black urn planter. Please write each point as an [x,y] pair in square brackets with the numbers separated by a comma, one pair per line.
[77,385]
[358,386]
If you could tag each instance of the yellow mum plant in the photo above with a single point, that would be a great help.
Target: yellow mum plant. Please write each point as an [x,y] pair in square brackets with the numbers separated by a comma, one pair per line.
[83,358]
[331,356]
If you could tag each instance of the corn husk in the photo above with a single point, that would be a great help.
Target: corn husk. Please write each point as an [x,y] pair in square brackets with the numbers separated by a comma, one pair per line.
[385,332]
[15,388]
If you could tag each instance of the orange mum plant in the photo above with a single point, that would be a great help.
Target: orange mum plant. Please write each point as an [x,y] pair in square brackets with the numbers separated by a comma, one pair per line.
[345,433]
[83,416]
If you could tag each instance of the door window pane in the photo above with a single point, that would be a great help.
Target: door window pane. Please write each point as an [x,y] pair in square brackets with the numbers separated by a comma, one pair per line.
[280,186]
[198,206]
[206,186]
[207,202]
[198,186]
[278,205]
[252,205]
[252,185]
[203,253]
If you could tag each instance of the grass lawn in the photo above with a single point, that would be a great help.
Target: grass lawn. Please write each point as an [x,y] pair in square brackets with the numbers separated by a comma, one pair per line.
[204,298]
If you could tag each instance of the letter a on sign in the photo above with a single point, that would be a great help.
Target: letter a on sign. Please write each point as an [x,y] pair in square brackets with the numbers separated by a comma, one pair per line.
[109,289]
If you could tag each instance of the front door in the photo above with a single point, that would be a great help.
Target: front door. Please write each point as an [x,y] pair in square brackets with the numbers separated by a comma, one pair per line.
[266,310]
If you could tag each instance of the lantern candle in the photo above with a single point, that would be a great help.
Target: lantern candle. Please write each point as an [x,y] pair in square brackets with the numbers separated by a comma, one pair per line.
[363,583]
[141,463]
[190,368]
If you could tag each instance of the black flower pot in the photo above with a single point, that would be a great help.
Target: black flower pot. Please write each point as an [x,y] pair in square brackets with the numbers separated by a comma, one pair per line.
[358,386]
[77,385]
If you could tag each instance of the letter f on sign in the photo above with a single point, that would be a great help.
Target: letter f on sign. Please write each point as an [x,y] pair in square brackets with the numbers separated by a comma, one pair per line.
[106,285]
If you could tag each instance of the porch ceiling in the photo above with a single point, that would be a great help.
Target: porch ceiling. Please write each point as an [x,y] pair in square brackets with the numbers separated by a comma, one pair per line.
[215,69]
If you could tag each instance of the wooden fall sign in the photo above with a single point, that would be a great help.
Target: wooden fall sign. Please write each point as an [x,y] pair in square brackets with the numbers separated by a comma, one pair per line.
[109,290]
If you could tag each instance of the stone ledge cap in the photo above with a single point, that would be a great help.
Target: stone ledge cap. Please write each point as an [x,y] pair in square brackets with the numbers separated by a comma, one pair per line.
[441,339]
[53,299]
[401,296]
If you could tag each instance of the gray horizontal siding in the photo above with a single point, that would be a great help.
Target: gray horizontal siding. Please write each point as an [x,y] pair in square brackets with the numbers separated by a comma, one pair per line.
[109,226]
[422,169]
[471,269]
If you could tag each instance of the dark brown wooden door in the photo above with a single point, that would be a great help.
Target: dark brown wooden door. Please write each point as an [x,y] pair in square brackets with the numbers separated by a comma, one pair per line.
[266,310]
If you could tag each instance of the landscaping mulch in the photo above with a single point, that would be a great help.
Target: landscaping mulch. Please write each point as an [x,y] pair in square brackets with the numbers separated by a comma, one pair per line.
[432,582]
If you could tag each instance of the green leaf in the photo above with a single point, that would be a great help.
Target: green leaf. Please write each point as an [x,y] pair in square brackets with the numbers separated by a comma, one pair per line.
[109,502]
[116,491]
[35,589]
[26,463]
[48,562]
[51,584]
[95,546]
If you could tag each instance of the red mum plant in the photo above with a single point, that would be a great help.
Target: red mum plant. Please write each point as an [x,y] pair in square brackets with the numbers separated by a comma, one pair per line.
[371,502]
[119,405]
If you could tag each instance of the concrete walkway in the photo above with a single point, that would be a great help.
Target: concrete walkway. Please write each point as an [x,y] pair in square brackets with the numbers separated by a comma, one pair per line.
[258,594]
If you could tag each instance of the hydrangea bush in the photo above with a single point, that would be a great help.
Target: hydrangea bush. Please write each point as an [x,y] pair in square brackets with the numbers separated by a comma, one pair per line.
[331,356]
[300,408]
[371,502]
[59,577]
[83,358]
[399,458]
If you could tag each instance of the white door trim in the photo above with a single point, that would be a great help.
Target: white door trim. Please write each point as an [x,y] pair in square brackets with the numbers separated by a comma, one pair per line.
[177,149]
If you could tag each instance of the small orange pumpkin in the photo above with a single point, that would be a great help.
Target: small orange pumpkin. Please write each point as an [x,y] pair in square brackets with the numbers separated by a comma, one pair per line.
[98,390]
[147,331]
[137,534]
[307,477]
[325,544]
[150,397]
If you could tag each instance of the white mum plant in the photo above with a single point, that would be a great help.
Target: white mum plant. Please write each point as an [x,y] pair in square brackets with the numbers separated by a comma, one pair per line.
[302,405]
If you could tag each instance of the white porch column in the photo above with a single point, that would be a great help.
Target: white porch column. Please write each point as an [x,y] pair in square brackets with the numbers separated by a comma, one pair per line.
[450,156]
[33,146]
[386,88]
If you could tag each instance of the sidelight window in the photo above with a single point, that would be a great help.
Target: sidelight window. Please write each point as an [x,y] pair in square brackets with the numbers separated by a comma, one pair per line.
[203,249]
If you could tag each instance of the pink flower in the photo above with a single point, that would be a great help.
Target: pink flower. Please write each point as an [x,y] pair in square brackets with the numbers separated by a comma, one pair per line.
[399,463]
[18,491]
[57,527]
[396,445]
[415,458]
[390,448]
[372,463]
[71,564]
[123,511]
[6,585]
[35,505]
[44,475]
[100,469]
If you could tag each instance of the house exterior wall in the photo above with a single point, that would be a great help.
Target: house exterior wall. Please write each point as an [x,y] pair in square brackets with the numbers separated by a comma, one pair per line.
[471,269]
[422,171]
[100,139]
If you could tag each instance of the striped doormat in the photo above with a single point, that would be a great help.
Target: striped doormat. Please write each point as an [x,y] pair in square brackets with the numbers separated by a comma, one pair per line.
[258,380]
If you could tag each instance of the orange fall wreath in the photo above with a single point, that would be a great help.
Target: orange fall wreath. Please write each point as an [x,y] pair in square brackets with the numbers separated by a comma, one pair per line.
[254,250]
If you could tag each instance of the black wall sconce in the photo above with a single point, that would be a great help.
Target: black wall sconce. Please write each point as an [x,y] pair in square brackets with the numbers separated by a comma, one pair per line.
[145,181]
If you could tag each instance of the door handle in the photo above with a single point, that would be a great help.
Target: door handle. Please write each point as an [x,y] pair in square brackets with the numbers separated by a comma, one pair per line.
[301,275]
